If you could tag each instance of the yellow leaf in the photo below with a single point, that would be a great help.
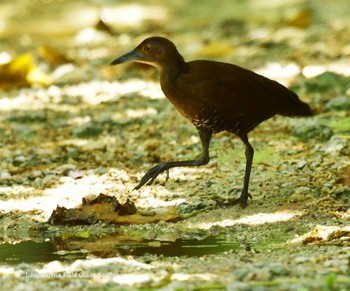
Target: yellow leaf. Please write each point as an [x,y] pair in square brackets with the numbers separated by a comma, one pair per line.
[14,73]
[67,235]
[215,49]
[21,65]
[21,72]
[83,234]
[36,76]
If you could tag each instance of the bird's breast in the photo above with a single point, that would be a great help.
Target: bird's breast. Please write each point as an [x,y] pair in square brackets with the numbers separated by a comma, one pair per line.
[200,116]
[212,123]
[200,111]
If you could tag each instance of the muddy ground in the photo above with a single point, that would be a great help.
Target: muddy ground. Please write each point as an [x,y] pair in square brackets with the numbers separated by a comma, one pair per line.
[73,127]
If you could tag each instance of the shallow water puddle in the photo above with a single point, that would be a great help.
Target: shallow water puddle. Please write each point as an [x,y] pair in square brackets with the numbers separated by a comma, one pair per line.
[112,246]
[33,252]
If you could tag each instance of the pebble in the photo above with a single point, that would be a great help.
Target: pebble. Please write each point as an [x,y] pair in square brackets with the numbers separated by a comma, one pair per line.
[20,159]
[36,174]
[47,179]
[338,103]
[278,269]
[89,129]
[334,145]
[300,193]
[302,163]
[186,208]
[4,175]
[313,130]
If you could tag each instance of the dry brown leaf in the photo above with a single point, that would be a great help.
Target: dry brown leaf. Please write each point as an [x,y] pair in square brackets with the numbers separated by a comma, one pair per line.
[103,26]
[301,19]
[53,56]
[322,234]
[107,209]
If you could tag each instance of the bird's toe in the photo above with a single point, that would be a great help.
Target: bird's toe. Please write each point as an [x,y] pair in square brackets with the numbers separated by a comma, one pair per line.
[242,200]
[152,174]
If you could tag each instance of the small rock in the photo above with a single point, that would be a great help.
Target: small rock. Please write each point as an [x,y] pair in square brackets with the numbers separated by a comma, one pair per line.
[147,212]
[89,129]
[338,103]
[303,190]
[258,275]
[61,170]
[187,208]
[93,146]
[302,163]
[5,175]
[36,174]
[241,274]
[47,179]
[199,204]
[23,131]
[325,82]
[278,269]
[38,182]
[334,146]
[287,189]
[62,72]
[300,194]
[341,192]
[75,174]
[313,130]
[287,185]
[184,208]
[20,159]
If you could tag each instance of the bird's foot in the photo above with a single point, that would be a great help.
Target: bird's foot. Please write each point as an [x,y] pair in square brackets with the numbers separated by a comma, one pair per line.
[242,200]
[152,174]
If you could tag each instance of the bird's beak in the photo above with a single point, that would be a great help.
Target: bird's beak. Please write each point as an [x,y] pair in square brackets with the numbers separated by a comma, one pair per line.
[129,57]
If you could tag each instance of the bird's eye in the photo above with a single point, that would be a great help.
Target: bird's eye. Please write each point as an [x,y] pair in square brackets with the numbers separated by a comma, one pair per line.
[147,48]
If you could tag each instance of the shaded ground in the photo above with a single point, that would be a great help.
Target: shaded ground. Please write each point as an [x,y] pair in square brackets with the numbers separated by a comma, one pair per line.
[93,129]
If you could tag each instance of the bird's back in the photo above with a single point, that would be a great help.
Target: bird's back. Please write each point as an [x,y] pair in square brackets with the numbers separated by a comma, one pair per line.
[223,96]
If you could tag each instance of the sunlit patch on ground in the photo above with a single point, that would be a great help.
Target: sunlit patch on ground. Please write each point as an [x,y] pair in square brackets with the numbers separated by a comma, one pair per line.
[68,193]
[92,93]
[254,219]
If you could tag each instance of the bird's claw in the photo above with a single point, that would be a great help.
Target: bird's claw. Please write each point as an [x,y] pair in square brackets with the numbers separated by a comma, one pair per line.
[242,200]
[152,174]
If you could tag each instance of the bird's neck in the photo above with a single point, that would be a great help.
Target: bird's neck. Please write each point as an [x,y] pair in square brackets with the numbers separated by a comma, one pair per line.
[172,69]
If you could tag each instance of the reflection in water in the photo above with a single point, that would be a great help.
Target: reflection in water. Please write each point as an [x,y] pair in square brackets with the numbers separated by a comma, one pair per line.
[77,248]
[31,252]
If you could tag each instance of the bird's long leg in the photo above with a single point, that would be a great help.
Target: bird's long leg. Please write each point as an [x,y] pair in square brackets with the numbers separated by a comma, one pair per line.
[249,154]
[153,173]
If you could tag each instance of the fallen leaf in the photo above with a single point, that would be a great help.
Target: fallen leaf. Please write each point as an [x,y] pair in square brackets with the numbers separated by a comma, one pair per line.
[103,26]
[21,72]
[301,19]
[107,209]
[53,56]
[322,234]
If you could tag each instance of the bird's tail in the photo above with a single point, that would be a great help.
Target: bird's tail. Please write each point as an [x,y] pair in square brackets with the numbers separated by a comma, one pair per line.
[302,109]
[297,107]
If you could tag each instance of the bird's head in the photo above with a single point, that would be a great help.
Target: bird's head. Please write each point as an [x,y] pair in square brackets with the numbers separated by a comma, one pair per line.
[156,51]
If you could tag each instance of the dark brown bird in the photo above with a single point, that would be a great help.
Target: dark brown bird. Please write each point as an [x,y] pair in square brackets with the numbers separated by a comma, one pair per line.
[215,97]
